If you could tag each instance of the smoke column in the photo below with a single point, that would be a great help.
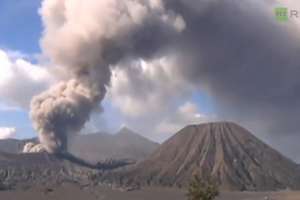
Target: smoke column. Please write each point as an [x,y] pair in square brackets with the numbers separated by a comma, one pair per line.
[84,39]
[236,50]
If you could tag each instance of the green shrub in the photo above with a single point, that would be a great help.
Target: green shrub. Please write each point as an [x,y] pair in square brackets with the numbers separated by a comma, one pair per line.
[202,190]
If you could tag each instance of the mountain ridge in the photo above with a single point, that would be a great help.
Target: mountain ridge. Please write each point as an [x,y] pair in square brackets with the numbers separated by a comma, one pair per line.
[223,151]
[125,144]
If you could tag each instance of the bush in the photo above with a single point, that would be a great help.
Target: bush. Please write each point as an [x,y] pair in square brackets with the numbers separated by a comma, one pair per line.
[202,190]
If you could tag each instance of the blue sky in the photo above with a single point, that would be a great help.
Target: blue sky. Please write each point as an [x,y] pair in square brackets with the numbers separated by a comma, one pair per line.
[20,25]
[21,29]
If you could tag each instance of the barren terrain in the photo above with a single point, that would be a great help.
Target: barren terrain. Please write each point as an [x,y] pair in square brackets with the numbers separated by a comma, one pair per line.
[75,192]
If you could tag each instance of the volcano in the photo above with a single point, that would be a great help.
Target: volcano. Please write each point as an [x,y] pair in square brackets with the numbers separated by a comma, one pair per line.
[224,152]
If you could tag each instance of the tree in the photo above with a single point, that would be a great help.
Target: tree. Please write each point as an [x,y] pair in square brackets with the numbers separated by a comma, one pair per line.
[202,190]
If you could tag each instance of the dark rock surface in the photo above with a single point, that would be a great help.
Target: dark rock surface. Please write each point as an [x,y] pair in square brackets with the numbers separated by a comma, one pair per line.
[31,170]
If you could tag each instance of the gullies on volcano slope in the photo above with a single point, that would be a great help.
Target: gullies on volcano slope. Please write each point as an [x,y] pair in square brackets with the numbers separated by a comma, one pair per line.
[224,152]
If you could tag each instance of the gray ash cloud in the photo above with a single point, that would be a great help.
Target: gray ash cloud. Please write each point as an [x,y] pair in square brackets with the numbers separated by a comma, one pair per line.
[83,50]
[235,50]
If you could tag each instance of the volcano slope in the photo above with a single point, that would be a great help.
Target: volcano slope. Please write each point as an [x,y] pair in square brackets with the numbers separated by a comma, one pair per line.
[224,152]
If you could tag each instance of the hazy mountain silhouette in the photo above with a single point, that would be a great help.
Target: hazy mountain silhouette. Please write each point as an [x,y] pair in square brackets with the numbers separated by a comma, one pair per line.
[125,144]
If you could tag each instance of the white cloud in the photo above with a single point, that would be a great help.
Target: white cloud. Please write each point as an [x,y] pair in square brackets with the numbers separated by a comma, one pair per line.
[6,133]
[146,87]
[186,114]
[147,94]
[20,79]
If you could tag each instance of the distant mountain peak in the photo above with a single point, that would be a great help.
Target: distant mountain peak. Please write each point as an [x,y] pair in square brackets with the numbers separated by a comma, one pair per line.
[124,144]
[125,129]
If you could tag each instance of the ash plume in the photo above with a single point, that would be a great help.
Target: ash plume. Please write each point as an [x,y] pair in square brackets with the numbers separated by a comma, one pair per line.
[61,111]
[84,48]
[235,50]
[241,57]
[31,147]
